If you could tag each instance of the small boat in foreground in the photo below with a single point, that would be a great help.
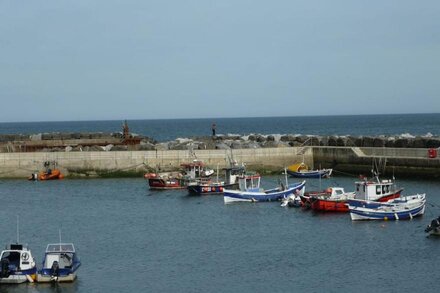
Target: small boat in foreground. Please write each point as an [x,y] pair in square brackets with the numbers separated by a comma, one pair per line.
[17,265]
[301,170]
[59,264]
[402,208]
[434,227]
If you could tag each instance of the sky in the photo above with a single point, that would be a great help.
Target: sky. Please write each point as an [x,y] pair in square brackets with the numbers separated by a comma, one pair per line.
[113,60]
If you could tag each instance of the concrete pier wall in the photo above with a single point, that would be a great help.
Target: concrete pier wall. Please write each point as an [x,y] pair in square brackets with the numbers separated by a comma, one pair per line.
[398,161]
[123,163]
[353,160]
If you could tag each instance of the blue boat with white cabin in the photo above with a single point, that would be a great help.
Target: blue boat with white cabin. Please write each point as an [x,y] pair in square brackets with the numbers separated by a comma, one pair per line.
[402,208]
[250,191]
[60,263]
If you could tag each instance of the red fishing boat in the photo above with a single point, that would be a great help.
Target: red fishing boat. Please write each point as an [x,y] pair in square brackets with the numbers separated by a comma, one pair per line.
[333,199]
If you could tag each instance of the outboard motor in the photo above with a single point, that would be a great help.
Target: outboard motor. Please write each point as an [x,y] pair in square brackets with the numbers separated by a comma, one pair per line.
[4,265]
[55,270]
[434,225]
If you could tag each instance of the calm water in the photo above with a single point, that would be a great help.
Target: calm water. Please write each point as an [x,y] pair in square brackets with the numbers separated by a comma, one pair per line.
[131,239]
[164,130]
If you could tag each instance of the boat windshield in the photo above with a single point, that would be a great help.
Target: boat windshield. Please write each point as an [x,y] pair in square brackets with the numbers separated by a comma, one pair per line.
[60,247]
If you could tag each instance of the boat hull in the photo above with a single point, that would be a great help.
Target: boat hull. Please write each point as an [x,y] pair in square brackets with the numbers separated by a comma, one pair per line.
[402,209]
[311,174]
[329,205]
[160,184]
[20,277]
[210,189]
[253,196]
[47,278]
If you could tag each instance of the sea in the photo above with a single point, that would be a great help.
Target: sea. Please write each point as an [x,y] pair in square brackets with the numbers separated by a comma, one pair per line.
[132,239]
[170,129]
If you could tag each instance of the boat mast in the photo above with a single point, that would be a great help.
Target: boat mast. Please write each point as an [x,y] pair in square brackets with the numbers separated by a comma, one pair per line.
[18,229]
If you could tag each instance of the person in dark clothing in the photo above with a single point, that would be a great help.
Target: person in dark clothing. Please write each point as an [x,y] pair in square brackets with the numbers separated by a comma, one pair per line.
[213,129]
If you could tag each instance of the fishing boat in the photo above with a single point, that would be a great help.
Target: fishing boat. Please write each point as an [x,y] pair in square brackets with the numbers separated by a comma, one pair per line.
[333,199]
[17,265]
[206,186]
[375,190]
[401,208]
[250,191]
[301,170]
[166,180]
[434,227]
[60,263]
[178,180]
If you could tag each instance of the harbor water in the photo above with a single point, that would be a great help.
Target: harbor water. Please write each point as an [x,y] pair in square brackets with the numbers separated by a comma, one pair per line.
[131,239]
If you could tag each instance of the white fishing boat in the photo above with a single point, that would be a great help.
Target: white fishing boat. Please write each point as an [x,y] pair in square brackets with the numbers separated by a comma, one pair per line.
[60,263]
[17,265]
[401,208]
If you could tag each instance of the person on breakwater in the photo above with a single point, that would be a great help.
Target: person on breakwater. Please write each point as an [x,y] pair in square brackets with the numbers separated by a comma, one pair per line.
[213,126]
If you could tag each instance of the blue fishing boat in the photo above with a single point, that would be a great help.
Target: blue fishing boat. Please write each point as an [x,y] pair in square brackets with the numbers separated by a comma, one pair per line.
[402,208]
[250,191]
[301,170]
[60,263]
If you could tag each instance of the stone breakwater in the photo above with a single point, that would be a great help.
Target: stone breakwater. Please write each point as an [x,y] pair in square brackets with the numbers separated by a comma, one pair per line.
[71,142]
[116,155]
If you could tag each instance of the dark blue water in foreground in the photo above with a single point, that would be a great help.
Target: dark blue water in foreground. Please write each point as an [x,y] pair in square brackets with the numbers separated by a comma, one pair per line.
[164,130]
[133,240]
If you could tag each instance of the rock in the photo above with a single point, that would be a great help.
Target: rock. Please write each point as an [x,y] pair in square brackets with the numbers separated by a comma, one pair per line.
[119,148]
[367,141]
[332,141]
[261,139]
[68,149]
[221,146]
[401,143]
[271,138]
[108,147]
[379,142]
[433,143]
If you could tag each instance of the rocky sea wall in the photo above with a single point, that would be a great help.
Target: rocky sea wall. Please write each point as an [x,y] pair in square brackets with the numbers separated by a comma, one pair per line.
[50,142]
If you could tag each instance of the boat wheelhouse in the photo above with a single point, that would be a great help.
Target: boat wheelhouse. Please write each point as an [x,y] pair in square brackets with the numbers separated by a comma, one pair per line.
[377,190]
[17,265]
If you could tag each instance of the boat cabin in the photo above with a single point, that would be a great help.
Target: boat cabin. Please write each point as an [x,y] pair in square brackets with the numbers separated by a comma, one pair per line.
[62,253]
[249,182]
[17,257]
[373,190]
[196,169]
[233,173]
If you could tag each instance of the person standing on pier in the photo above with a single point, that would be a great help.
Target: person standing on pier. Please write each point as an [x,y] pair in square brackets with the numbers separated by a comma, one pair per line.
[213,126]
